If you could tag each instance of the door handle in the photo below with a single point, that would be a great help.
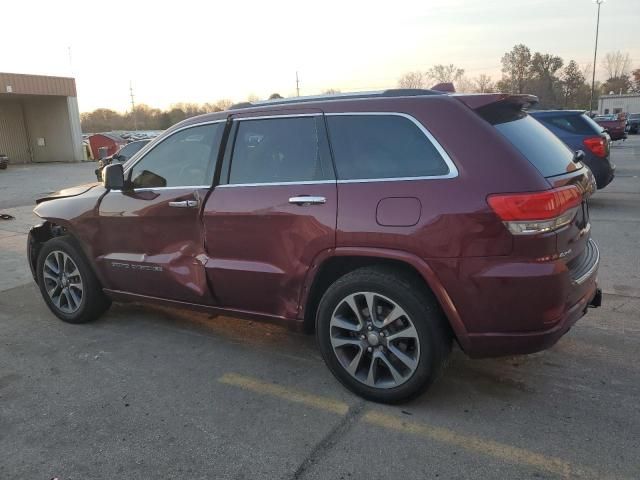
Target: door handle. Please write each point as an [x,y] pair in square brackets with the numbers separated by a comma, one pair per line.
[184,204]
[304,200]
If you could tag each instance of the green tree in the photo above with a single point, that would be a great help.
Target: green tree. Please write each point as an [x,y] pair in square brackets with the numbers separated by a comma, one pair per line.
[575,90]
[516,69]
[617,85]
[635,76]
[543,79]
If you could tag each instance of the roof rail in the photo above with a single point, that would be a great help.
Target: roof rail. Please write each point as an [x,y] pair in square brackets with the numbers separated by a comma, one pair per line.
[394,92]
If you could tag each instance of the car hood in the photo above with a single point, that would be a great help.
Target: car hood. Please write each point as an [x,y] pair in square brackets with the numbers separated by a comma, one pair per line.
[69,192]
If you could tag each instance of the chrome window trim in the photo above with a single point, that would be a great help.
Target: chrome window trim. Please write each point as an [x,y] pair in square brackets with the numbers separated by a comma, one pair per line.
[152,189]
[271,117]
[153,144]
[453,170]
[265,184]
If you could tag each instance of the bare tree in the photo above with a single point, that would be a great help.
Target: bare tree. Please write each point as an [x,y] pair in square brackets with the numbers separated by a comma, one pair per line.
[330,91]
[483,84]
[616,64]
[253,97]
[445,73]
[412,80]
[275,96]
[464,85]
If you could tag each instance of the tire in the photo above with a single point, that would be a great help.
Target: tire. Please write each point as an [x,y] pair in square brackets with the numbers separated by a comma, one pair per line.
[424,348]
[84,299]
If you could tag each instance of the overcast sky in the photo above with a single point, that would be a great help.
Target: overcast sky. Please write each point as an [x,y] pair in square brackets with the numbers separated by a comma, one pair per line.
[203,51]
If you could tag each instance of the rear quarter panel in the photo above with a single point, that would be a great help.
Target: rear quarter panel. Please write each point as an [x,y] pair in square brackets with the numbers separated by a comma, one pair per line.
[455,219]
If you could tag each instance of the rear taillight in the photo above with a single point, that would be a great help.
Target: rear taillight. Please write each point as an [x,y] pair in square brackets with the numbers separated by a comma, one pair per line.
[536,212]
[597,145]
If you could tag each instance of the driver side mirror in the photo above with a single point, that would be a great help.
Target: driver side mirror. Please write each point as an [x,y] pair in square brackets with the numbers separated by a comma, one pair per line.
[113,176]
[578,156]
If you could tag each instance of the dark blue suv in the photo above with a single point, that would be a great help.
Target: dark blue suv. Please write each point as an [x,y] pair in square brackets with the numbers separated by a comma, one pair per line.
[579,132]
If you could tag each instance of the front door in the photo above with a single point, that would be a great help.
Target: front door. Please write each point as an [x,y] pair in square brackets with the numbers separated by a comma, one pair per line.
[273,212]
[151,233]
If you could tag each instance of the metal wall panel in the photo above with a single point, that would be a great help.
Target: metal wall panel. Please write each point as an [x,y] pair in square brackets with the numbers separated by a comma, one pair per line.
[627,103]
[36,85]
[13,134]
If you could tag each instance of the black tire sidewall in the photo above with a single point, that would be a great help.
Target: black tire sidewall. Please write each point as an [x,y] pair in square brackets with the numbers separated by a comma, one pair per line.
[423,313]
[93,301]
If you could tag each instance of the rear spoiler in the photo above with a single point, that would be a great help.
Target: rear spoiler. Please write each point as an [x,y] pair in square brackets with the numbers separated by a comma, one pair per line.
[497,100]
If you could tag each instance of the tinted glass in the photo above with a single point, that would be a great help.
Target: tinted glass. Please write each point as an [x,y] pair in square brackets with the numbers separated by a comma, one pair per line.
[578,124]
[541,147]
[594,126]
[186,158]
[382,146]
[279,150]
[130,150]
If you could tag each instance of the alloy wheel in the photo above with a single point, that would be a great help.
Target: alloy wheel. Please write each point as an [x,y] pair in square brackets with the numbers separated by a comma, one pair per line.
[374,340]
[62,281]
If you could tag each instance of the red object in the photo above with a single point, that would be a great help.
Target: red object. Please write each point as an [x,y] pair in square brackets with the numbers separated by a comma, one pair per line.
[615,128]
[597,145]
[247,251]
[535,205]
[111,141]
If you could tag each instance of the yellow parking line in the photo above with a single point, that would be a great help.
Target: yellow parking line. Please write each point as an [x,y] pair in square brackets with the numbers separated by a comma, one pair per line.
[315,401]
[471,443]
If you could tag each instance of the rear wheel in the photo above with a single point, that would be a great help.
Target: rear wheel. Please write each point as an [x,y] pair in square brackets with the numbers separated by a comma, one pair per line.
[67,282]
[381,334]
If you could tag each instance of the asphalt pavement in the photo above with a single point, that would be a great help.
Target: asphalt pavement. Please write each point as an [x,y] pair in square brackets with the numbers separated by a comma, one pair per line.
[159,393]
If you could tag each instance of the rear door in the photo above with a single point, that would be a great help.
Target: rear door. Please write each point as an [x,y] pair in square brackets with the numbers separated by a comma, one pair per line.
[273,212]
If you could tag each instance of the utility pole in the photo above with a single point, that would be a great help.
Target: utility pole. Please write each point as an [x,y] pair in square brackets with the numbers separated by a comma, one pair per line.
[133,107]
[297,84]
[70,62]
[595,54]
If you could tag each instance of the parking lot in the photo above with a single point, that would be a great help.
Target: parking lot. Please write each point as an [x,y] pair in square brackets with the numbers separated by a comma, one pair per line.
[158,393]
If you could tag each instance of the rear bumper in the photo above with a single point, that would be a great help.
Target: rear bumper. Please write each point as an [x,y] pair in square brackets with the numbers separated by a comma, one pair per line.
[603,170]
[511,307]
[501,344]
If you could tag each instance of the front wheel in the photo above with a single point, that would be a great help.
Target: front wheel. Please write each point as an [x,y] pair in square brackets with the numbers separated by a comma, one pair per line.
[382,334]
[67,283]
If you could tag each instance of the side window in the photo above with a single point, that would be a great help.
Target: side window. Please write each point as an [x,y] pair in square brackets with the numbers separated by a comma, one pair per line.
[275,150]
[186,158]
[382,146]
[572,124]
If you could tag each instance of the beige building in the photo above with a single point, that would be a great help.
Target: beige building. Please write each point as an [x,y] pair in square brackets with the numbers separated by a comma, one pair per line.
[39,119]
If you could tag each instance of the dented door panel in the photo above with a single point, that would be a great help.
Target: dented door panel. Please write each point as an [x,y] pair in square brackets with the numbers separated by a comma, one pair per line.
[261,246]
[149,247]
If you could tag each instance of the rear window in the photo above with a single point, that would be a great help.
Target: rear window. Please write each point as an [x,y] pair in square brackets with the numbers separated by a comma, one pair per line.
[382,147]
[578,124]
[541,147]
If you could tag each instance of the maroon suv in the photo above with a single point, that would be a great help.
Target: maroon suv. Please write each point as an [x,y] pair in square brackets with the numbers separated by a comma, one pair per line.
[391,223]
